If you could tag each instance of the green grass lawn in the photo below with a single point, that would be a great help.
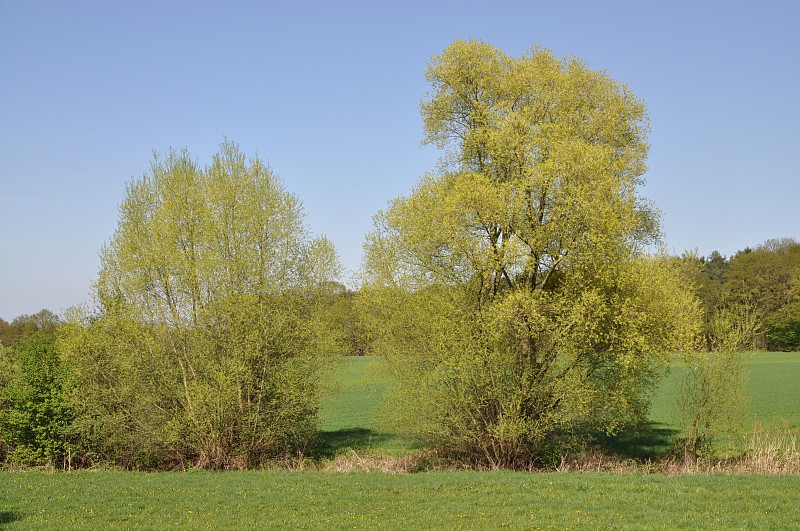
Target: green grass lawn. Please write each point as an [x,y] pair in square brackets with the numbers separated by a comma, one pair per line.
[353,415]
[354,394]
[774,391]
[774,403]
[775,388]
[433,500]
[353,412]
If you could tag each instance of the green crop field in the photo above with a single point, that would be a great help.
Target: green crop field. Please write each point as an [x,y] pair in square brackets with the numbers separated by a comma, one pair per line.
[353,419]
[432,500]
[774,392]
[353,412]
[353,409]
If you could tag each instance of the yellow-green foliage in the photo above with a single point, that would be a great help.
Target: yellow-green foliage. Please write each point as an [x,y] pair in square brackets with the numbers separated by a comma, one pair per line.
[35,415]
[512,287]
[203,349]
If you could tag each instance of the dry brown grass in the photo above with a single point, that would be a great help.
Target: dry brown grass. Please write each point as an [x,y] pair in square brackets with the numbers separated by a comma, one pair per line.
[351,461]
[597,461]
[767,452]
[770,452]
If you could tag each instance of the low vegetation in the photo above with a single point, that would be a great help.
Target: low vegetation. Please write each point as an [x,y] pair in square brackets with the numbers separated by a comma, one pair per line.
[359,431]
[360,476]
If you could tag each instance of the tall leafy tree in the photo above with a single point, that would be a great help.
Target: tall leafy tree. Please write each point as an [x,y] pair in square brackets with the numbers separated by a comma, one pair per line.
[203,348]
[516,276]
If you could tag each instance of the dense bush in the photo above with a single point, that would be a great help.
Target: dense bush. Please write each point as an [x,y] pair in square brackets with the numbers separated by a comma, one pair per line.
[35,414]
[205,344]
[783,329]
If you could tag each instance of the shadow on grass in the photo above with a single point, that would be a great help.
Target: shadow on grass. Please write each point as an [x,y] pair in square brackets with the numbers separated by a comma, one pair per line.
[652,440]
[331,443]
[6,517]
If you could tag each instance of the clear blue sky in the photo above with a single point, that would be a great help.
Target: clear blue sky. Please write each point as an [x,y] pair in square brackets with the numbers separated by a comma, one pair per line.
[329,92]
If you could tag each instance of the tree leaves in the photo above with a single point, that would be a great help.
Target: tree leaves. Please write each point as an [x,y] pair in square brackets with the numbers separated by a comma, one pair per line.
[210,299]
[521,299]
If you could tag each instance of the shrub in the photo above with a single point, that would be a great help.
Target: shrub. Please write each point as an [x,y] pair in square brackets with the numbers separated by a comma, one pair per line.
[35,413]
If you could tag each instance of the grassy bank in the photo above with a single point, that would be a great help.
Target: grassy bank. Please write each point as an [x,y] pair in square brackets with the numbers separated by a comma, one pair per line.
[440,500]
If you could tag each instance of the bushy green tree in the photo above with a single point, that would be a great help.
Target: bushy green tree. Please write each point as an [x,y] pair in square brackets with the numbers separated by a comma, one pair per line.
[712,402]
[754,292]
[35,414]
[519,306]
[783,328]
[707,275]
[203,351]
[713,399]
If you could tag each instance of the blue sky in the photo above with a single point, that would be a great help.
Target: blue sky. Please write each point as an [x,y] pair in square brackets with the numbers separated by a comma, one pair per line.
[329,94]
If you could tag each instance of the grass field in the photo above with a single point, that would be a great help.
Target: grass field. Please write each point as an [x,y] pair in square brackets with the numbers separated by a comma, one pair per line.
[353,420]
[774,392]
[433,500]
[352,412]
[353,409]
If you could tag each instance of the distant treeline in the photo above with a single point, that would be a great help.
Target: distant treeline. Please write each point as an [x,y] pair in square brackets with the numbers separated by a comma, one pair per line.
[759,285]
[757,291]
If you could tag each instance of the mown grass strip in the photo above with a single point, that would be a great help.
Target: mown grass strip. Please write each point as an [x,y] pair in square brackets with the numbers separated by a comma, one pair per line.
[443,500]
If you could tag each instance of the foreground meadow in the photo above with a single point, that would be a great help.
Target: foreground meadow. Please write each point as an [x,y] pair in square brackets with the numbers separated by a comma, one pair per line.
[433,500]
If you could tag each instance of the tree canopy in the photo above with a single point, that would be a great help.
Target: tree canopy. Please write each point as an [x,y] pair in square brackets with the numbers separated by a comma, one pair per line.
[201,351]
[527,252]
